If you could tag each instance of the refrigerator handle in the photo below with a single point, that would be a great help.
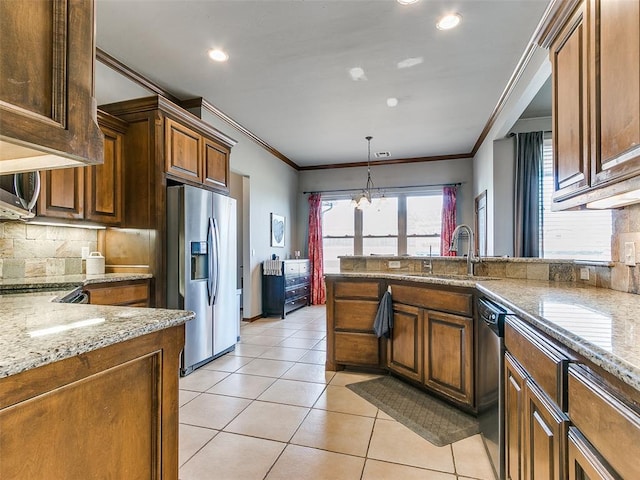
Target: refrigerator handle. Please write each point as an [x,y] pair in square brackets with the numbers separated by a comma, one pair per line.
[210,255]
[216,259]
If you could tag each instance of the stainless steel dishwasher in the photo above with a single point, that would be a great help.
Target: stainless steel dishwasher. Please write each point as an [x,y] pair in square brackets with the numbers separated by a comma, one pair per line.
[490,374]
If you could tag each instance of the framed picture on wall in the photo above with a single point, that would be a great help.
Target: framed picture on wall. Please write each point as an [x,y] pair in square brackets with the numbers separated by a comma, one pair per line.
[277,230]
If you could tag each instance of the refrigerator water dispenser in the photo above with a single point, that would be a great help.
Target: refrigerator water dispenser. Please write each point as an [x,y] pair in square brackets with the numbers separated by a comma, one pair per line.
[199,261]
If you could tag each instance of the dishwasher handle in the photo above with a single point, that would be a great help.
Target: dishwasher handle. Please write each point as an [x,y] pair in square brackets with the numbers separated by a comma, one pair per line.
[492,315]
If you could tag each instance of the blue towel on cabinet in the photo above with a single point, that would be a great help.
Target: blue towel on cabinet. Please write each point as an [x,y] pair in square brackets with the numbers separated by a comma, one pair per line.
[383,323]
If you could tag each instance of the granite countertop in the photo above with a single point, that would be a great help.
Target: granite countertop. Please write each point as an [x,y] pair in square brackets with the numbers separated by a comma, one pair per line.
[65,281]
[434,279]
[36,331]
[600,324]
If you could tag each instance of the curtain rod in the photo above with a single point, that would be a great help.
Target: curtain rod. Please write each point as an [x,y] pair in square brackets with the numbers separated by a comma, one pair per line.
[387,188]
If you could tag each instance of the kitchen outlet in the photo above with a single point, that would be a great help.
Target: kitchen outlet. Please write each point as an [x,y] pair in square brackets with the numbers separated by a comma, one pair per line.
[630,254]
[394,264]
[85,252]
[584,273]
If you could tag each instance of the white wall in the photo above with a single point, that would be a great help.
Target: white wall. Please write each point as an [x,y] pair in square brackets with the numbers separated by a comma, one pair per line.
[273,187]
[405,174]
[491,168]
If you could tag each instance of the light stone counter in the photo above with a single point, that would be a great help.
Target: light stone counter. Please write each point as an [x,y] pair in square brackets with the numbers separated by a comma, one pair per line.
[600,324]
[34,331]
[63,282]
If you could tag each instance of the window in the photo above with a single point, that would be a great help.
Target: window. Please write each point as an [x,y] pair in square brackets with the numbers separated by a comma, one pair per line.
[380,227]
[337,232]
[424,223]
[579,235]
[394,225]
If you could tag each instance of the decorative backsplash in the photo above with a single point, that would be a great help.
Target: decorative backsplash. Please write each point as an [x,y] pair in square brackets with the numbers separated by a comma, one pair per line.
[516,268]
[626,228]
[36,250]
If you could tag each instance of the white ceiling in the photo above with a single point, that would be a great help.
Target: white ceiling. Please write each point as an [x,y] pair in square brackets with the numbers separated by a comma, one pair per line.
[287,79]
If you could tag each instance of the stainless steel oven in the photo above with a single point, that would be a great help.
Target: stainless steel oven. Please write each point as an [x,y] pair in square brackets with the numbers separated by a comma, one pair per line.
[490,373]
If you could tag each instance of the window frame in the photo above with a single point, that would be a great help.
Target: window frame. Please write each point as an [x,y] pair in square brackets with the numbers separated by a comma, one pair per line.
[402,236]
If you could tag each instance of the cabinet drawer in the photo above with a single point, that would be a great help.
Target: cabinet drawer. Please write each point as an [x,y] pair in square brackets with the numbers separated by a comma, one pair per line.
[610,425]
[430,298]
[356,349]
[355,314]
[357,290]
[291,269]
[544,364]
[297,292]
[295,303]
[136,294]
[297,280]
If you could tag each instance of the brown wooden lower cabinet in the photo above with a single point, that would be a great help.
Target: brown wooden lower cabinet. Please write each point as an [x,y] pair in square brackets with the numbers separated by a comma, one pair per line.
[132,293]
[514,378]
[109,413]
[351,309]
[584,462]
[404,348]
[448,355]
[545,431]
[607,421]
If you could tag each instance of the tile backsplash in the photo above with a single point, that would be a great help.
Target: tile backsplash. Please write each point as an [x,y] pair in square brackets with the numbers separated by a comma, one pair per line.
[28,250]
[626,228]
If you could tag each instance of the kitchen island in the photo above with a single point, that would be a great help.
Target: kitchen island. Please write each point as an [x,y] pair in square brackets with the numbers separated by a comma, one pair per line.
[87,391]
[571,370]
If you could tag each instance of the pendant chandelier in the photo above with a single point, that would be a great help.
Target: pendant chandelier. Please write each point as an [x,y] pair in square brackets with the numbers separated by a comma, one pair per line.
[363,199]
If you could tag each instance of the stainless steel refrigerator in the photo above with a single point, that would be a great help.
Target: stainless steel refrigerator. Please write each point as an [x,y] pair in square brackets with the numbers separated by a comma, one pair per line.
[201,271]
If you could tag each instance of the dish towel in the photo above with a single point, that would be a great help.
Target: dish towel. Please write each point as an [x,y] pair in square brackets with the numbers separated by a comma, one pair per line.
[384,318]
[272,267]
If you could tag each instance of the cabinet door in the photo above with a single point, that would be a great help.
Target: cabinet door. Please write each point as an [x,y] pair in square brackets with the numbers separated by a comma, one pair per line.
[215,164]
[448,355]
[514,378]
[46,102]
[616,92]
[569,105]
[104,182]
[545,433]
[405,344]
[584,461]
[183,154]
[62,193]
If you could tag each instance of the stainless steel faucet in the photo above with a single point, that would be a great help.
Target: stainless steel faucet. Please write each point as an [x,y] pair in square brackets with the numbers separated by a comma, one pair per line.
[472,259]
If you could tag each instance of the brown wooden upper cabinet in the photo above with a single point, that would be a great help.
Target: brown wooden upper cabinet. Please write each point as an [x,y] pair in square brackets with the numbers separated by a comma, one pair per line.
[47,109]
[595,56]
[89,193]
[192,156]
[187,149]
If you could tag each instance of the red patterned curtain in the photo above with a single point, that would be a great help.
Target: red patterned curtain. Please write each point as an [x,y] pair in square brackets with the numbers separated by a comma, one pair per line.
[448,220]
[318,294]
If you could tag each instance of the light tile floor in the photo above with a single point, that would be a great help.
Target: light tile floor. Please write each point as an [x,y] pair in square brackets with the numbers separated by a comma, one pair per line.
[269,411]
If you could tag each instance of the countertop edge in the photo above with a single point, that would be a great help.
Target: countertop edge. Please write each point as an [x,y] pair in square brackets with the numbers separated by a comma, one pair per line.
[615,365]
[171,318]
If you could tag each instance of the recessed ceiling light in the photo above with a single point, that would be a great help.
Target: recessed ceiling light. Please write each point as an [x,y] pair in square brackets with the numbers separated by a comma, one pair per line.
[218,55]
[357,73]
[392,102]
[407,2]
[449,21]
[410,62]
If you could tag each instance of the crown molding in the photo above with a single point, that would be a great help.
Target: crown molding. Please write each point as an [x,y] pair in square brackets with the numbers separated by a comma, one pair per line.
[394,161]
[116,65]
[204,103]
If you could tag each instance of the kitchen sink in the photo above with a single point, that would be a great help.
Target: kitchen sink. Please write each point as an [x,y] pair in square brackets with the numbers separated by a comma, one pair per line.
[447,276]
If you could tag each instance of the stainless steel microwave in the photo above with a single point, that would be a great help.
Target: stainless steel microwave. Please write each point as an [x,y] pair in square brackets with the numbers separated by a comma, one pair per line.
[18,195]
